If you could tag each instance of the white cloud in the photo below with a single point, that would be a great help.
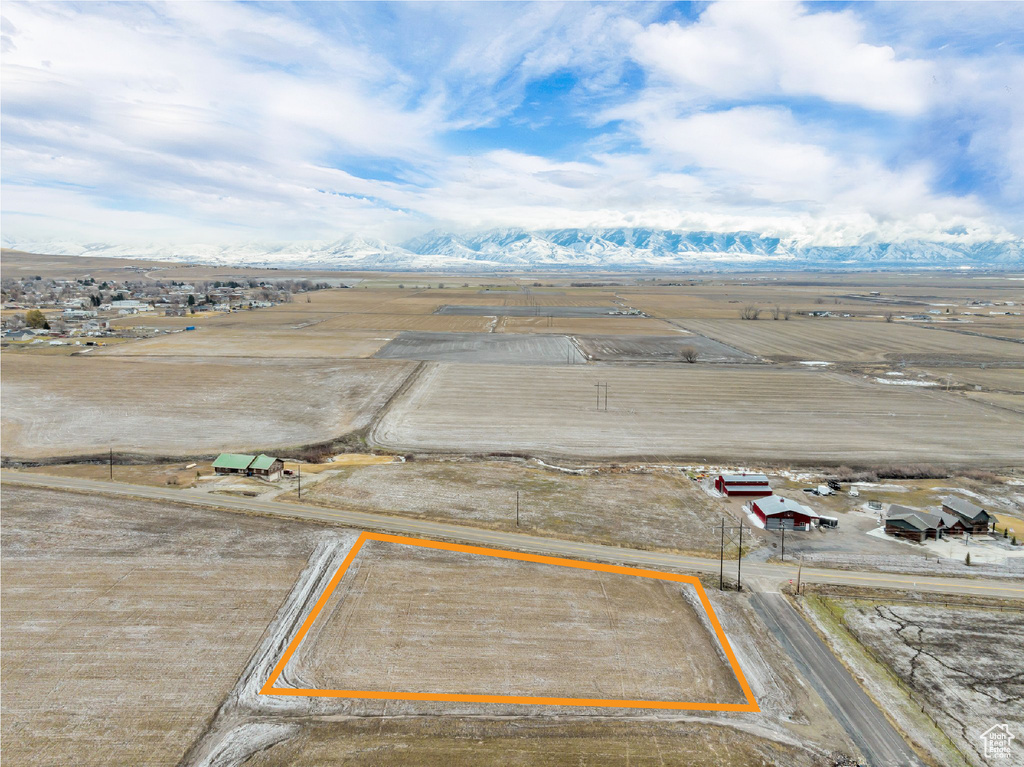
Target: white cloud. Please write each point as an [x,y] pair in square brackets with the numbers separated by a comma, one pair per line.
[739,50]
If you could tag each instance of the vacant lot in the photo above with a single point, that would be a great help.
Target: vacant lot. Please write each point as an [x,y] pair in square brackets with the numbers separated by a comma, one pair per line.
[842,340]
[658,349]
[509,627]
[661,511]
[427,322]
[527,349]
[532,311]
[964,663]
[125,623]
[990,379]
[177,406]
[742,413]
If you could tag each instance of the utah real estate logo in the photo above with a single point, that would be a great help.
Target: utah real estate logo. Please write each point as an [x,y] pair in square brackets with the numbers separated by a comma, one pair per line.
[997,741]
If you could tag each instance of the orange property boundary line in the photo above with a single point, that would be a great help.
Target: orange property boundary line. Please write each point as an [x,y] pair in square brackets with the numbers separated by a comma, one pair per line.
[269,689]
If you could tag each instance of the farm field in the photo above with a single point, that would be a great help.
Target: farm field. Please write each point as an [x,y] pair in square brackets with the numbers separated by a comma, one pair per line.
[658,349]
[509,627]
[674,515]
[395,322]
[531,349]
[961,662]
[562,310]
[846,340]
[693,412]
[54,406]
[570,326]
[992,379]
[126,623]
[272,343]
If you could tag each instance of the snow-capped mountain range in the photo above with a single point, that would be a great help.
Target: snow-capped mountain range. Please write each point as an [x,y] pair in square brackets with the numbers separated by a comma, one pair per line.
[562,249]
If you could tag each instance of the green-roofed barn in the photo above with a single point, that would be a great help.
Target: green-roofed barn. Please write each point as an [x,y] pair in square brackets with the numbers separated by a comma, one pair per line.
[233,463]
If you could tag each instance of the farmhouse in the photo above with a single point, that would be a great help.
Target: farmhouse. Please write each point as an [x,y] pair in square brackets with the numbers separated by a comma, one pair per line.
[904,522]
[743,484]
[263,466]
[975,519]
[779,513]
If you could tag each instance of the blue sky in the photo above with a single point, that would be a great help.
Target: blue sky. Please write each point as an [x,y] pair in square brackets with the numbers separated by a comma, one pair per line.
[828,123]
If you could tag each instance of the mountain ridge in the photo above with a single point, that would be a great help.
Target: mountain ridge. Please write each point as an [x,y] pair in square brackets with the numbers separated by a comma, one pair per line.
[516,249]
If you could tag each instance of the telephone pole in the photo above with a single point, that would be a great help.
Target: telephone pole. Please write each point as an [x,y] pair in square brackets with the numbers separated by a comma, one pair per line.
[299,467]
[799,570]
[517,508]
[739,560]
[721,560]
[783,543]
[111,462]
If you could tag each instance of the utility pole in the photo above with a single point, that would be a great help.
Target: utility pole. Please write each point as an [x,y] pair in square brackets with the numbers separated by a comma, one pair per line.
[111,462]
[517,508]
[783,543]
[799,569]
[721,560]
[299,467]
[598,395]
[739,560]
[606,396]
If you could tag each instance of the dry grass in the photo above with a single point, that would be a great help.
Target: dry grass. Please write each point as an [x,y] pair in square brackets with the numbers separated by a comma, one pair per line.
[577,326]
[673,513]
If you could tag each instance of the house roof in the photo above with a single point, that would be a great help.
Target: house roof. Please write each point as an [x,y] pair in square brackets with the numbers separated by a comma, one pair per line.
[263,462]
[233,461]
[961,506]
[921,520]
[741,479]
[776,504]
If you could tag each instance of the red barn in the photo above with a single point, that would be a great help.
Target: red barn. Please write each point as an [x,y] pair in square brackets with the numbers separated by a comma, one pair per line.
[777,513]
[743,484]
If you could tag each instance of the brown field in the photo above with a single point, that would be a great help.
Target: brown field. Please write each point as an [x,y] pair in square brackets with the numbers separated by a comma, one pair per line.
[674,515]
[311,342]
[578,326]
[396,322]
[126,623]
[842,340]
[742,413]
[180,406]
[991,379]
[516,628]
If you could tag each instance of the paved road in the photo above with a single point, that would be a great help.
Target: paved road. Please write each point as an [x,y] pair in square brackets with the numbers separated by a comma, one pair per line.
[773,573]
[880,743]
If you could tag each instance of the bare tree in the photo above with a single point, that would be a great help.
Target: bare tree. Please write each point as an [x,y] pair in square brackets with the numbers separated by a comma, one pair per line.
[786,313]
[819,300]
[776,312]
[689,354]
[750,312]
[889,316]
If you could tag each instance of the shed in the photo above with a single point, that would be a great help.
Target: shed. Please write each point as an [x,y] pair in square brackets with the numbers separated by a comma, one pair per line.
[743,484]
[975,519]
[233,463]
[779,513]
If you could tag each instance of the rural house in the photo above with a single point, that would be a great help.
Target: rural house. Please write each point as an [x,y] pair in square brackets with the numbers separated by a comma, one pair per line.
[779,513]
[267,467]
[263,466]
[904,522]
[743,484]
[975,519]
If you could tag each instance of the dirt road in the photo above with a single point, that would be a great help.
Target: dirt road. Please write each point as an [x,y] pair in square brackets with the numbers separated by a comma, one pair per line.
[1008,588]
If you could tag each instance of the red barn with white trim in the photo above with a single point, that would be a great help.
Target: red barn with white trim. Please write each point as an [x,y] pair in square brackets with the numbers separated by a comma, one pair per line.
[777,513]
[743,484]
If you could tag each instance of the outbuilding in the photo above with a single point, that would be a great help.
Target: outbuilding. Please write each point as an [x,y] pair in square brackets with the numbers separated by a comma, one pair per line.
[743,484]
[779,513]
[975,519]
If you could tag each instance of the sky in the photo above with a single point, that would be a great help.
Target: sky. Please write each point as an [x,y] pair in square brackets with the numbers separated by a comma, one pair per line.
[219,122]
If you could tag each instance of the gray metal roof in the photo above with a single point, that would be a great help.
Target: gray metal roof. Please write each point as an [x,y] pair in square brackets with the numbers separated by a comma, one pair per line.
[961,506]
[736,479]
[776,504]
[921,520]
